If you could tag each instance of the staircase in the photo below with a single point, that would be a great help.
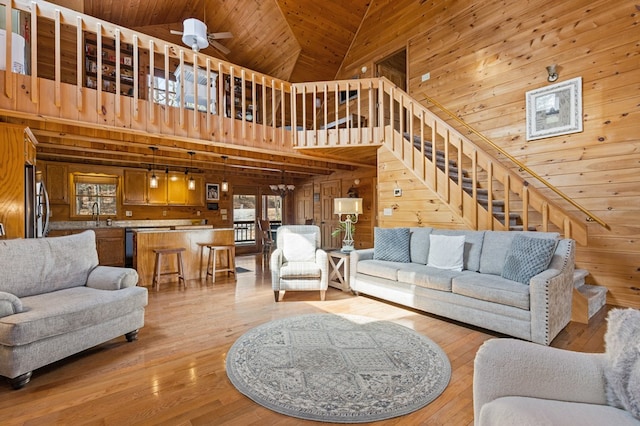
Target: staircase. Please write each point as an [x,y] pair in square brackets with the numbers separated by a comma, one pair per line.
[587,299]
[461,175]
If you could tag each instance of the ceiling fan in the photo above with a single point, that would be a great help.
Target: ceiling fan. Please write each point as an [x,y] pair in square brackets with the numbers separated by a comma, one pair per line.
[195,35]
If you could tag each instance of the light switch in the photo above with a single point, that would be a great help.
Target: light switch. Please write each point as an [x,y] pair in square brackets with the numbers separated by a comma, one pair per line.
[388,212]
[223,211]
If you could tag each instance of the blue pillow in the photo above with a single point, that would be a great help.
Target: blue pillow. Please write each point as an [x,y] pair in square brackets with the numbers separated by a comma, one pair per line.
[392,244]
[527,257]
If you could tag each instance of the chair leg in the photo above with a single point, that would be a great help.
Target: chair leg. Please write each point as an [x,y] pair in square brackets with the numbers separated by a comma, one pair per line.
[322,294]
[156,272]
[276,293]
[181,270]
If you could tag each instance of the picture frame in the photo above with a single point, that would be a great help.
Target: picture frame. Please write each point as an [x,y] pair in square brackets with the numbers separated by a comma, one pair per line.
[554,110]
[213,192]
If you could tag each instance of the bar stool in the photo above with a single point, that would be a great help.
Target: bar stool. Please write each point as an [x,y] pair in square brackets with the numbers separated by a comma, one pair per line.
[158,266]
[212,262]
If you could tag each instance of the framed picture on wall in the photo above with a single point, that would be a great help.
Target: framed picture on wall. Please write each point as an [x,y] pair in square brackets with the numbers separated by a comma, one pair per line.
[213,192]
[554,110]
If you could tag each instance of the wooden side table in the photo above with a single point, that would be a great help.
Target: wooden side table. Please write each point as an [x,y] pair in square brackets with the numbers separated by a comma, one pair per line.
[339,270]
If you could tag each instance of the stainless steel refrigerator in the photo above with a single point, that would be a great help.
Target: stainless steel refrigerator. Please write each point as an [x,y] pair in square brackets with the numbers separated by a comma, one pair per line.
[36,204]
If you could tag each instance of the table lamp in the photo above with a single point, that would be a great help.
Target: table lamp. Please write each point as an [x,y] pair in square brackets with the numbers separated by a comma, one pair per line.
[351,208]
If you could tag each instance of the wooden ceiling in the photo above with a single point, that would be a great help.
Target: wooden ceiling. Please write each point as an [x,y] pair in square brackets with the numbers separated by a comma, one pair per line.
[302,40]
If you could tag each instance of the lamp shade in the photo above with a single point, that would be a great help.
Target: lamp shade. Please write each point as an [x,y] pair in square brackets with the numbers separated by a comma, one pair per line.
[194,34]
[347,205]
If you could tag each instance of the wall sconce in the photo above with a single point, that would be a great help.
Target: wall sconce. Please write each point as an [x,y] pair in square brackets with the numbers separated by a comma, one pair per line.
[224,186]
[364,69]
[553,73]
[153,181]
[191,184]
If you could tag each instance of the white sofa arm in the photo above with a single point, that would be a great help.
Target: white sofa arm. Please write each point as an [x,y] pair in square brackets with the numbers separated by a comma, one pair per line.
[112,278]
[275,263]
[9,304]
[551,294]
[355,257]
[510,367]
[322,260]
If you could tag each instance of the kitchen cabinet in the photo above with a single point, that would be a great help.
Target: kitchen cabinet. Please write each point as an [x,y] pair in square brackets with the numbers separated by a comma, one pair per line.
[17,149]
[135,187]
[57,181]
[109,243]
[171,190]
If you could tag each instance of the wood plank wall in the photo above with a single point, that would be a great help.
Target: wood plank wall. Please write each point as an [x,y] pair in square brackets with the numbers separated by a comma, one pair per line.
[483,56]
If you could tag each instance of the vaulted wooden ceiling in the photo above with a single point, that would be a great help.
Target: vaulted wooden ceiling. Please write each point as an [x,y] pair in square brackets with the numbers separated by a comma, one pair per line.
[301,40]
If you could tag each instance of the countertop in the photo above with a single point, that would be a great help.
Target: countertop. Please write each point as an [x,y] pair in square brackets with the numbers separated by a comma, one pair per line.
[89,224]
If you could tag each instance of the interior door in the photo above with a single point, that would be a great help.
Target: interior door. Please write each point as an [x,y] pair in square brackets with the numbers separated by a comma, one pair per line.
[329,221]
[394,68]
[304,203]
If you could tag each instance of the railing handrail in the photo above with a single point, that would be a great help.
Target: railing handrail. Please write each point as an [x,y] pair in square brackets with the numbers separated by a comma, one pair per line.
[521,166]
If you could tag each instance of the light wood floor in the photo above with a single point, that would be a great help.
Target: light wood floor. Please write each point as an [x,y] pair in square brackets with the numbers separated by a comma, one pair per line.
[174,374]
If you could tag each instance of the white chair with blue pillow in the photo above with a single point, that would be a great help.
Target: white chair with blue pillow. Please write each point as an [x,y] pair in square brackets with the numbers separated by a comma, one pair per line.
[298,263]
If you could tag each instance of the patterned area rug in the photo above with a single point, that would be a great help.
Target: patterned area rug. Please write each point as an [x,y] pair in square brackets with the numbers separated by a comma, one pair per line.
[338,368]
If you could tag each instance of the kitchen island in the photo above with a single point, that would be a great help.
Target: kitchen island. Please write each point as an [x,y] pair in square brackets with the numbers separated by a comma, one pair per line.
[189,237]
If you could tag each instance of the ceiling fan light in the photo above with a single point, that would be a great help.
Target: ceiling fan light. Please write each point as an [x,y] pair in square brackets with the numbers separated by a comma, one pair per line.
[194,34]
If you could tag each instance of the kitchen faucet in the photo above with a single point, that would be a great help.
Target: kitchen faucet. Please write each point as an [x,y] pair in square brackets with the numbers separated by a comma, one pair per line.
[95,213]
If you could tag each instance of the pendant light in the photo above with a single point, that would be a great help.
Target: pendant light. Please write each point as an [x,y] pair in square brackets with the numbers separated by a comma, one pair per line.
[191,185]
[153,181]
[225,185]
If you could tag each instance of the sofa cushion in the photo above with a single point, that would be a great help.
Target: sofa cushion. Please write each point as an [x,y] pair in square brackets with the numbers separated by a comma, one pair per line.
[446,252]
[527,257]
[380,268]
[51,314]
[299,247]
[419,245]
[622,370]
[300,270]
[492,289]
[495,246]
[472,246]
[40,265]
[392,244]
[525,411]
[428,277]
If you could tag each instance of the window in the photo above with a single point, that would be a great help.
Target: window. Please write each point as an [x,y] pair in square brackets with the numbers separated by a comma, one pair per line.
[272,208]
[159,94]
[94,193]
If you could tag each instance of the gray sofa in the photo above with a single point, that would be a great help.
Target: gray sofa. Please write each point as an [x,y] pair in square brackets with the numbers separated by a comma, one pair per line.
[56,301]
[531,307]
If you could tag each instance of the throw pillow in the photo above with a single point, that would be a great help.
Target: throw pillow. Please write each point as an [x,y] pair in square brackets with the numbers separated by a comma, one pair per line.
[527,257]
[392,244]
[299,247]
[446,252]
[622,370]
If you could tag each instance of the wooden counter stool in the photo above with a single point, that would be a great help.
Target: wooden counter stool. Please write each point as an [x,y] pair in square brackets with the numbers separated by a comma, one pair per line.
[212,262]
[158,266]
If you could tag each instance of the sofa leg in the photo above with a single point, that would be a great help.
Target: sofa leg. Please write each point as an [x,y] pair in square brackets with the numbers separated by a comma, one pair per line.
[322,294]
[20,381]
[132,335]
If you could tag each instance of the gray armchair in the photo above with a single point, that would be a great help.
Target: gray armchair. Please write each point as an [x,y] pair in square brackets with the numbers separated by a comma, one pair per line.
[527,384]
[298,263]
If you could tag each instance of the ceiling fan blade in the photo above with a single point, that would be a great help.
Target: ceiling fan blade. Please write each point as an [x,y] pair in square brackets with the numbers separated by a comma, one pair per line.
[176,32]
[218,36]
[220,47]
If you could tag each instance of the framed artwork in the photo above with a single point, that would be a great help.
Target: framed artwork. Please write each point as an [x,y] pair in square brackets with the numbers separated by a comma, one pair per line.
[213,192]
[554,110]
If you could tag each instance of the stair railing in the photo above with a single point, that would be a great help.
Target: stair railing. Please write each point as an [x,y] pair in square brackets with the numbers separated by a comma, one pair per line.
[475,184]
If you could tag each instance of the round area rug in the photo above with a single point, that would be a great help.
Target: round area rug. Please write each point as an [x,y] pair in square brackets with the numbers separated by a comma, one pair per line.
[338,368]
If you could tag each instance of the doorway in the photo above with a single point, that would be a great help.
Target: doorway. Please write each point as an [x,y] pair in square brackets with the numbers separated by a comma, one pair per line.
[394,68]
[245,209]
[329,221]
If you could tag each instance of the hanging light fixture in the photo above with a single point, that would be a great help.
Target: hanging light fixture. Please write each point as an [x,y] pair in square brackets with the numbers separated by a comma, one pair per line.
[153,181]
[282,189]
[224,187]
[191,185]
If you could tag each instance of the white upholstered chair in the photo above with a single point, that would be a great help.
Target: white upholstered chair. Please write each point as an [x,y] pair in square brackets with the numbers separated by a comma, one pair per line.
[298,263]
